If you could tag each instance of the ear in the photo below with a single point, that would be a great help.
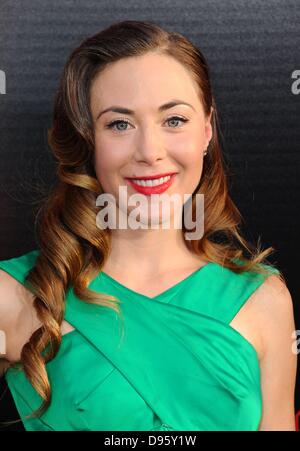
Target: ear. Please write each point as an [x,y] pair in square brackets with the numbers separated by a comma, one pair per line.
[208,127]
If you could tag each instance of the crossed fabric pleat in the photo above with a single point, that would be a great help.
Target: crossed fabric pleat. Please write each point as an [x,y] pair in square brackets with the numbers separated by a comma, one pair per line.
[194,372]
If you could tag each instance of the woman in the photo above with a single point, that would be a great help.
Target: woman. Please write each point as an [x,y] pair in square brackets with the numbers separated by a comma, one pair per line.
[143,328]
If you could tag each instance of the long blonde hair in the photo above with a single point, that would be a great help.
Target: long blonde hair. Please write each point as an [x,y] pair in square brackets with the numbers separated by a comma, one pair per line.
[72,248]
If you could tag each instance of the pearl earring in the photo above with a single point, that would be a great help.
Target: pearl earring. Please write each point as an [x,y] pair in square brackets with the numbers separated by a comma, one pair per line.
[205,151]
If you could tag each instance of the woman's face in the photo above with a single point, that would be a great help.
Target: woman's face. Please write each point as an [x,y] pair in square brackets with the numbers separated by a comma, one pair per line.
[148,141]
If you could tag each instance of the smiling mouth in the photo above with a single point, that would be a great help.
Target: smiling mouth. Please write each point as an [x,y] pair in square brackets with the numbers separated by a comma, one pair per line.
[154,182]
[155,186]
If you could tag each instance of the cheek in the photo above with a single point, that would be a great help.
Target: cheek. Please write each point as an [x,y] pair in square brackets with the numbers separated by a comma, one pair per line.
[108,156]
[188,150]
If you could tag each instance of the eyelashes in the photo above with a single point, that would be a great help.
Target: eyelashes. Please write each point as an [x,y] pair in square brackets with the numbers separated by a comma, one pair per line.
[112,124]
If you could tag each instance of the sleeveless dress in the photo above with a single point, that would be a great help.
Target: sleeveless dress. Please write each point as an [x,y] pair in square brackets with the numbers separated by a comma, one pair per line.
[172,363]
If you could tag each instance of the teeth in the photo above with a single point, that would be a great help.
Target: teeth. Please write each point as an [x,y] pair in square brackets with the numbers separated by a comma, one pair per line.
[154,182]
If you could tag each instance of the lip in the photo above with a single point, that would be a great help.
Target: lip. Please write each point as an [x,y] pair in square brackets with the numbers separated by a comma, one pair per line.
[148,190]
[151,177]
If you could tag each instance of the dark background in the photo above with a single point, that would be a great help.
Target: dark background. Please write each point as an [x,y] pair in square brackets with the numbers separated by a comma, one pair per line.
[252,48]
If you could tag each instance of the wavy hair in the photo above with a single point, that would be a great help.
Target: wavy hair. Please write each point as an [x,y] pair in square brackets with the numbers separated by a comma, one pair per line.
[72,248]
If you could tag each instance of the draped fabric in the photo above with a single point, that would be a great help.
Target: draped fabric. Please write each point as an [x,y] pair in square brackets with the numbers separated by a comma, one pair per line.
[170,362]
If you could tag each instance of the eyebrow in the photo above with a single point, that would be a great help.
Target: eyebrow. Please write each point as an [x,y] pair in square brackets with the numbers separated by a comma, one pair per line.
[165,106]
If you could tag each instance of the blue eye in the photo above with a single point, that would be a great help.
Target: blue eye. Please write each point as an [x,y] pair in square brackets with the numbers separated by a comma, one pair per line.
[177,118]
[112,124]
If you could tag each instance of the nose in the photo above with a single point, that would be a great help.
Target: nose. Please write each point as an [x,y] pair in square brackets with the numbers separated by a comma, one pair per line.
[149,147]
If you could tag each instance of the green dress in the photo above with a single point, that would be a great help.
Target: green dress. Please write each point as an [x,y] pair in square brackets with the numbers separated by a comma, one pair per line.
[177,364]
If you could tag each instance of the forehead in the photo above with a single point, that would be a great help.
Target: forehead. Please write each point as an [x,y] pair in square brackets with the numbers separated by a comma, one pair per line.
[146,80]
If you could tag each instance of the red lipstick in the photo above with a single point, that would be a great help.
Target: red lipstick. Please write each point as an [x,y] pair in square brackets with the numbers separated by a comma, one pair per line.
[148,190]
[151,177]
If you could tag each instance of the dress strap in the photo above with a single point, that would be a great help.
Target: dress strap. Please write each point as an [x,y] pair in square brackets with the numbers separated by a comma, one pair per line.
[18,267]
[229,291]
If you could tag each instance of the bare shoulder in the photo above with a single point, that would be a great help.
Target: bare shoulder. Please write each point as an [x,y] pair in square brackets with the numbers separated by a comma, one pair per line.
[275,314]
[18,318]
[273,306]
[13,296]
[264,313]
[273,300]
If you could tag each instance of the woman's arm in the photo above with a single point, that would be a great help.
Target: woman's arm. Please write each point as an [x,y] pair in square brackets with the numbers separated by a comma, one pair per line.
[279,361]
